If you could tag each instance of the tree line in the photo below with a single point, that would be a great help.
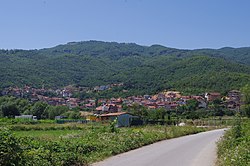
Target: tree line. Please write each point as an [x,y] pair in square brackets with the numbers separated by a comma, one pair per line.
[11,107]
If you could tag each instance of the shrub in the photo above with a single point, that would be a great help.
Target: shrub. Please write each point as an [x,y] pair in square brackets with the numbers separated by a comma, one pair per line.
[10,151]
[90,144]
[234,148]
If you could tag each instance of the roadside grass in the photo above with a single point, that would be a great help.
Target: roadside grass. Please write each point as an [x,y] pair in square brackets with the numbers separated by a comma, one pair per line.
[234,147]
[84,145]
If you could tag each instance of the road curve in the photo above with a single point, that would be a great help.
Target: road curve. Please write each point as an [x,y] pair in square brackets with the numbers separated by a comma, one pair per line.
[193,150]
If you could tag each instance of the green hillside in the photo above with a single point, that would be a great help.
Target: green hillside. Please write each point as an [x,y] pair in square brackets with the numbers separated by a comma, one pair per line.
[142,69]
[240,55]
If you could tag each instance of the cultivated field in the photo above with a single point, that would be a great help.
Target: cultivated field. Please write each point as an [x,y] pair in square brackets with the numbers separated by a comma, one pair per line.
[77,144]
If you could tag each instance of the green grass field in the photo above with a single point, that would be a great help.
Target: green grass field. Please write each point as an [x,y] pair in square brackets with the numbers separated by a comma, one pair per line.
[48,134]
[78,144]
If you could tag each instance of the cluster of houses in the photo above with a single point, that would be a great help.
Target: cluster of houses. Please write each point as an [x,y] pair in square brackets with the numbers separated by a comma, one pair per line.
[103,109]
[52,97]
[169,100]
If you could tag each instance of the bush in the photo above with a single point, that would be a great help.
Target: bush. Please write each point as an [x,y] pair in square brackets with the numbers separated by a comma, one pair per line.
[93,143]
[29,151]
[10,150]
[234,148]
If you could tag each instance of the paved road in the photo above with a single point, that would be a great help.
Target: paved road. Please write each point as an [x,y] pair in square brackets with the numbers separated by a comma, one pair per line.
[192,150]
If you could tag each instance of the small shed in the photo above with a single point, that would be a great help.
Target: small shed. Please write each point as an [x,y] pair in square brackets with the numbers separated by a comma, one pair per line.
[124,119]
[60,117]
[27,117]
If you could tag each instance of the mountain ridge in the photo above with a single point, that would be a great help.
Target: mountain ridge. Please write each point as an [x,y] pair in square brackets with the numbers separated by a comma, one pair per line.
[143,69]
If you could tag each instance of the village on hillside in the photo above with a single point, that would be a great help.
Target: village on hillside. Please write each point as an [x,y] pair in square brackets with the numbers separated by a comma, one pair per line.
[169,100]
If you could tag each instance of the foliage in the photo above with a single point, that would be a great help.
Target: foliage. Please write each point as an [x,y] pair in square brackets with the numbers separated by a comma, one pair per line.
[11,107]
[138,110]
[46,127]
[10,149]
[234,148]
[246,99]
[143,70]
[38,109]
[157,114]
[72,114]
[192,105]
[112,126]
[9,110]
[79,147]
[52,111]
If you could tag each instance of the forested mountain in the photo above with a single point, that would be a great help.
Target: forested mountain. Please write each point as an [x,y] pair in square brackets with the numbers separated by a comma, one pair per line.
[142,69]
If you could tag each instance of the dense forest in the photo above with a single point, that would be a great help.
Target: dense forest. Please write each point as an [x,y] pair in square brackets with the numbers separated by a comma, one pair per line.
[142,69]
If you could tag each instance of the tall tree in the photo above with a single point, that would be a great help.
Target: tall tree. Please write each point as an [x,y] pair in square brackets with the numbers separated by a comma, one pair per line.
[246,99]
[38,109]
[52,111]
[9,110]
[192,104]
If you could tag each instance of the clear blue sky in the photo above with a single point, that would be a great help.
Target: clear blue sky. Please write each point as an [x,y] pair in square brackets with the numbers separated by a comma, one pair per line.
[29,24]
